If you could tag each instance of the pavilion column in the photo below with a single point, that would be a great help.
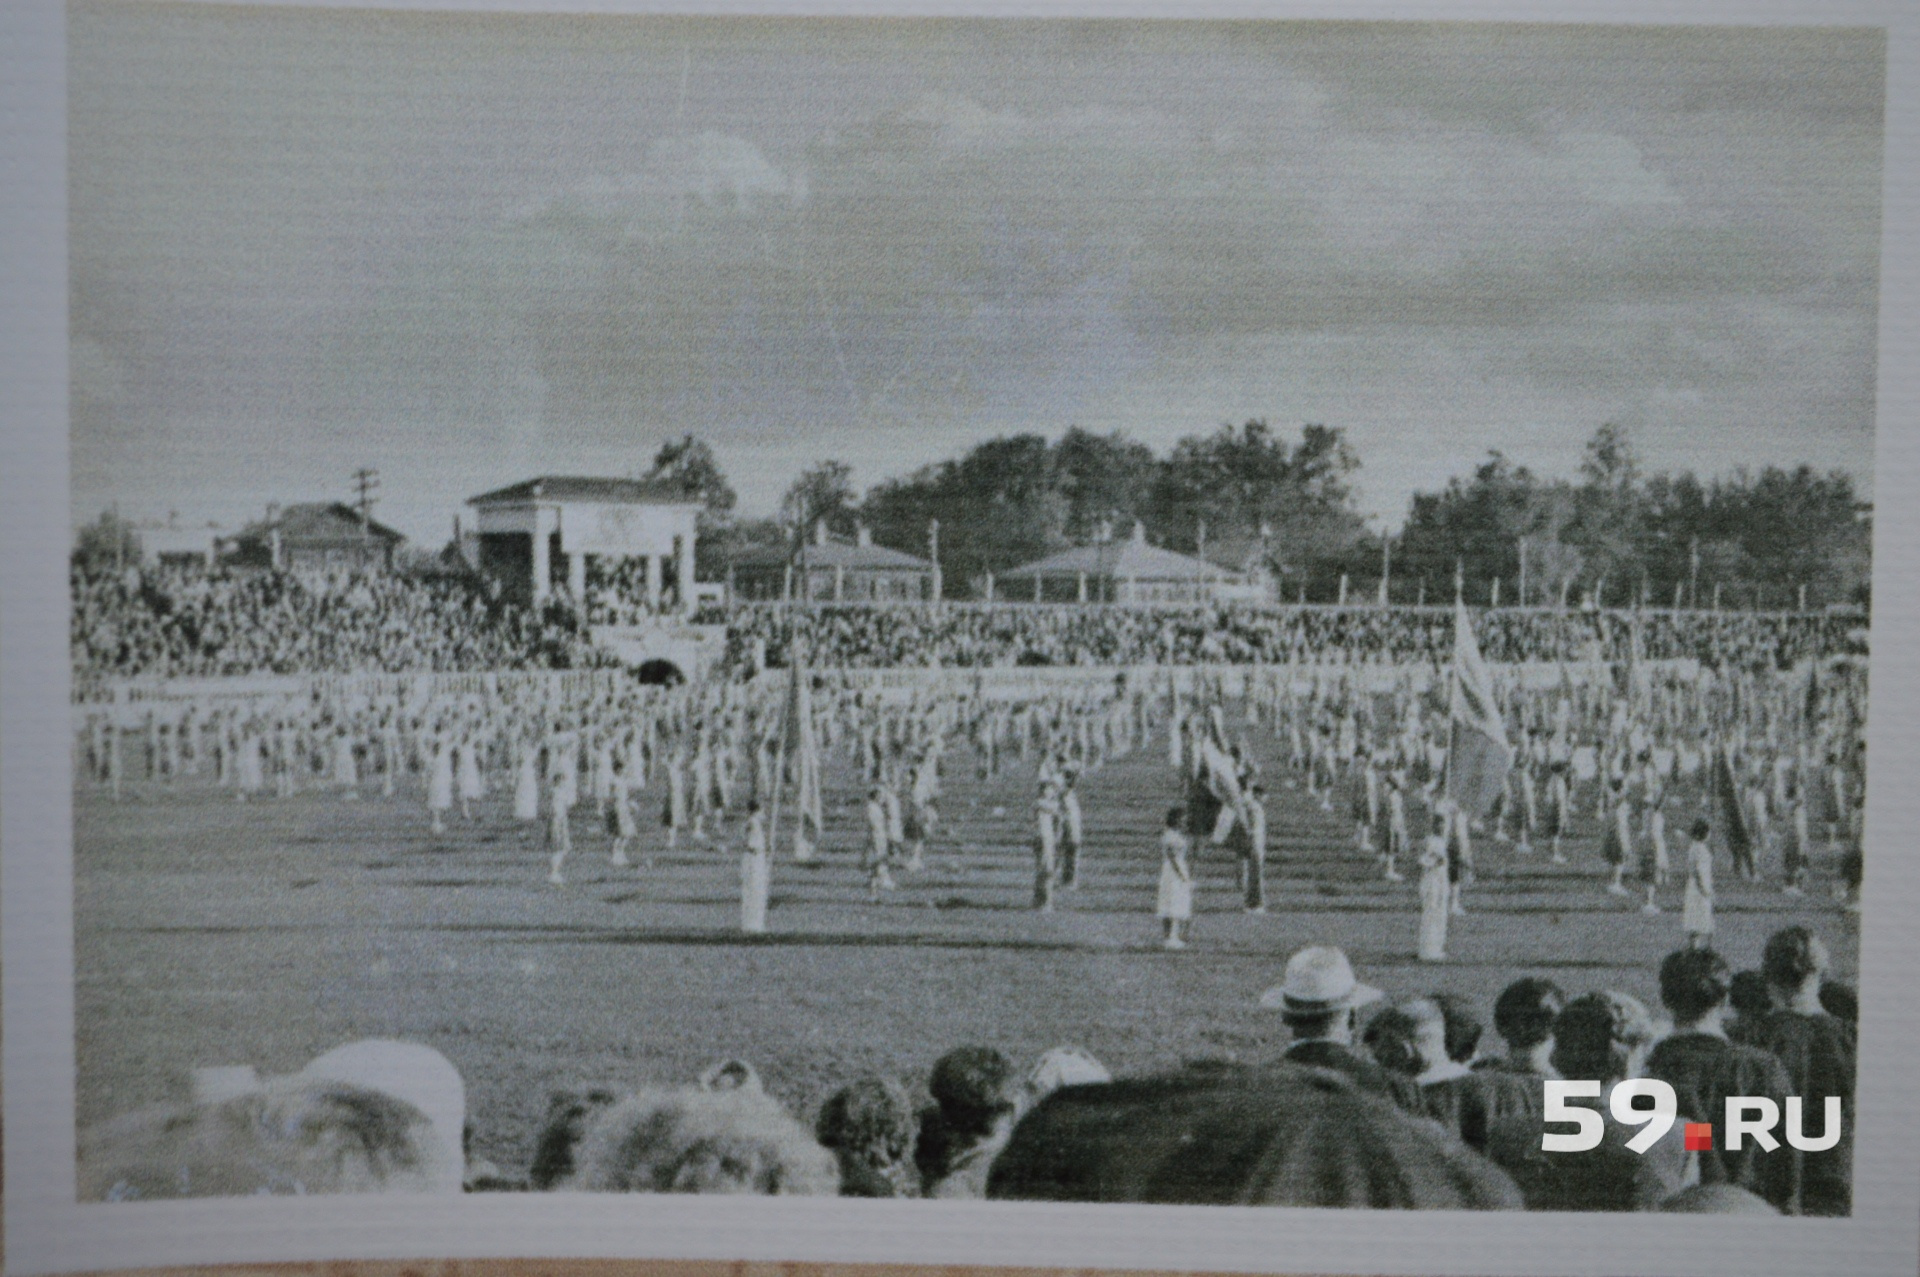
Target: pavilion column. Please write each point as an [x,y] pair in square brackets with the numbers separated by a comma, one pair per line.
[577,575]
[1038,582]
[652,562]
[839,583]
[1083,587]
[684,544]
[543,529]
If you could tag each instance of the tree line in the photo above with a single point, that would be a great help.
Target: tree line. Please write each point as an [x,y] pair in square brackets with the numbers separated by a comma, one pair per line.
[1252,499]
[1255,500]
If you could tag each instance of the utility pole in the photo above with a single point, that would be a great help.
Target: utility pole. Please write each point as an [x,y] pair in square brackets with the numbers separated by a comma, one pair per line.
[364,483]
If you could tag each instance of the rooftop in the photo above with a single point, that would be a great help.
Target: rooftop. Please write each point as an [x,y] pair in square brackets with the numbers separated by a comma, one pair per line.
[1130,560]
[561,487]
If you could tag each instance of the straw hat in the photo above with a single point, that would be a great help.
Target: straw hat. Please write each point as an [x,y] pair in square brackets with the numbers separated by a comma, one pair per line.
[1319,979]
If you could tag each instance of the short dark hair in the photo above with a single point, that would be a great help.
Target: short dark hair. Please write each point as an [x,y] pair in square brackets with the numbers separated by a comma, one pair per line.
[1791,955]
[1595,1034]
[1389,1038]
[1463,1026]
[1702,829]
[1840,1000]
[1694,982]
[1524,1012]
[871,1116]
[1747,993]
[1175,816]
[973,1081]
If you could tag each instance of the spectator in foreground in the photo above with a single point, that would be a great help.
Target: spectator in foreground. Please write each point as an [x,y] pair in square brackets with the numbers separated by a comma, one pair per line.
[1318,1000]
[686,1140]
[1818,1053]
[368,1117]
[1600,1036]
[868,1125]
[1523,1016]
[1286,1136]
[976,1099]
[1704,1068]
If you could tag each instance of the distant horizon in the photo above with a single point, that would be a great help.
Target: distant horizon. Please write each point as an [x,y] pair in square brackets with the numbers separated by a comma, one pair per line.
[185,519]
[467,248]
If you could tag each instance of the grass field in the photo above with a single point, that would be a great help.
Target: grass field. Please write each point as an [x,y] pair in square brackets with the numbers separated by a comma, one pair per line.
[210,932]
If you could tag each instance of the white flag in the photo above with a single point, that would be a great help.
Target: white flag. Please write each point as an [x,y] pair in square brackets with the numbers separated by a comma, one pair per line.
[1478,755]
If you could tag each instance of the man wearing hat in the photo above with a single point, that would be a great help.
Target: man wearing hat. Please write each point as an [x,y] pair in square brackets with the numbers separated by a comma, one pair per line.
[1317,1000]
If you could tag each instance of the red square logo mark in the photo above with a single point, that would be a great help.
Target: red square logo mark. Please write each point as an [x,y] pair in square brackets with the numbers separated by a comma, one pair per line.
[1699,1137]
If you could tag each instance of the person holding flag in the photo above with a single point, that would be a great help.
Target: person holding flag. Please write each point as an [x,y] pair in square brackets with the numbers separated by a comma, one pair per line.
[1478,754]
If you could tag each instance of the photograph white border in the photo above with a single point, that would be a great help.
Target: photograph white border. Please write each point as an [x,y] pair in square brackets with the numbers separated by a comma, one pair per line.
[47,1231]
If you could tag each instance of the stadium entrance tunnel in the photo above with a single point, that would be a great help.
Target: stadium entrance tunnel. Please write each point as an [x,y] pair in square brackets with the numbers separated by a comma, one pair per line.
[660,673]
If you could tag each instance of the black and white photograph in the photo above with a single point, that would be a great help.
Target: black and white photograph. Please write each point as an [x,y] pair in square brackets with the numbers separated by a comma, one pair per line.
[1255,612]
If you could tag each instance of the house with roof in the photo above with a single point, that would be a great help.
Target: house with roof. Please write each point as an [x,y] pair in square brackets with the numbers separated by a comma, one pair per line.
[1129,571]
[313,536]
[826,569]
[541,535]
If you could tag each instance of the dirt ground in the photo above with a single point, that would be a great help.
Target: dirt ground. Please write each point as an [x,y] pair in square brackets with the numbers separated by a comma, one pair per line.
[212,932]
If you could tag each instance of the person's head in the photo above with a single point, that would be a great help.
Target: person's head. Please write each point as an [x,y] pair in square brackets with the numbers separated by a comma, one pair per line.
[409,1071]
[1693,984]
[1176,816]
[1063,1066]
[687,1140]
[1462,1027]
[1319,994]
[568,1113]
[1793,959]
[1524,1013]
[1601,1035]
[290,1135]
[975,1087]
[869,1125]
[1702,830]
[1840,1000]
[1392,1038]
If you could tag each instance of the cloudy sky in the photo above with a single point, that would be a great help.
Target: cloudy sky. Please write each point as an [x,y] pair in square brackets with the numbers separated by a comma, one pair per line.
[465,249]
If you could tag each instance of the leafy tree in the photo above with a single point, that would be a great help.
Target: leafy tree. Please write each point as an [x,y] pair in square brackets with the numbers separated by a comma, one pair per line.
[823,491]
[1106,482]
[107,543]
[690,466]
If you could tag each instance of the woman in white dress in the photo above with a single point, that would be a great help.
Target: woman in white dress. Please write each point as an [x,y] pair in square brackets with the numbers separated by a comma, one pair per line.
[1436,893]
[473,786]
[253,762]
[440,781]
[756,872]
[1696,914]
[559,823]
[346,771]
[619,814]
[1174,903]
[526,783]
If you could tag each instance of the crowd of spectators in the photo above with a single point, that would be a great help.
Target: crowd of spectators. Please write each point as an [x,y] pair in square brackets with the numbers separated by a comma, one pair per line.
[182,622]
[174,622]
[1371,1102]
[974,635]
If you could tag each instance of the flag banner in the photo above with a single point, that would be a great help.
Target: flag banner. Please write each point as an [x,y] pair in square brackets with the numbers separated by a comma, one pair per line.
[802,747]
[1733,816]
[1478,754]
